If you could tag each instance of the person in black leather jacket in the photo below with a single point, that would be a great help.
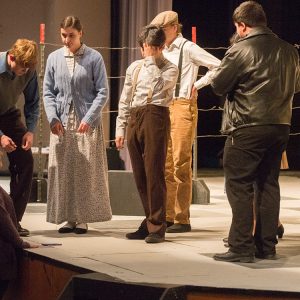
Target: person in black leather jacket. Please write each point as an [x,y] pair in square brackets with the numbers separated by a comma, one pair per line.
[260,75]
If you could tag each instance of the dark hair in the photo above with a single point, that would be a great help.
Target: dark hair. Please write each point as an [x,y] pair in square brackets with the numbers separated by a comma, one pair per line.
[152,35]
[251,13]
[71,21]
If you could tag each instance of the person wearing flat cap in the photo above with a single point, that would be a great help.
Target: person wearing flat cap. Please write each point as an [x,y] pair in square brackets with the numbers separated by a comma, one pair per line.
[144,118]
[183,115]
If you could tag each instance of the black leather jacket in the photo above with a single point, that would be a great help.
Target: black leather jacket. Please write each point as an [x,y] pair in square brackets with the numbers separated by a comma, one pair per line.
[260,75]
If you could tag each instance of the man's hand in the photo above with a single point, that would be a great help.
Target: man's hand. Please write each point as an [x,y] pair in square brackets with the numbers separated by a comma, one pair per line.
[57,128]
[7,144]
[194,93]
[151,51]
[119,142]
[33,245]
[83,127]
[27,140]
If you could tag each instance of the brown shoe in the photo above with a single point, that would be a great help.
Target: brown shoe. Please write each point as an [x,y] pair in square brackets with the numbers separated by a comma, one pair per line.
[140,234]
[153,238]
[179,228]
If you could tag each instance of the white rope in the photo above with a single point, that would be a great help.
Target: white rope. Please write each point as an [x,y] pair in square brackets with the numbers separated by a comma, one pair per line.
[214,108]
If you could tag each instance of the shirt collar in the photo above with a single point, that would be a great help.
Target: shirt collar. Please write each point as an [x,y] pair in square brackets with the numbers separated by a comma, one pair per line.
[176,43]
[4,68]
[260,30]
[79,52]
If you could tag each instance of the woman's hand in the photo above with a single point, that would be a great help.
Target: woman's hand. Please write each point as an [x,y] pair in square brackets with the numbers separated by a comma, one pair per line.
[83,127]
[57,128]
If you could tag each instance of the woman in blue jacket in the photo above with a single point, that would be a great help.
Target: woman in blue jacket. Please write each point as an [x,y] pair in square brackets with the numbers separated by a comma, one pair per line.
[75,92]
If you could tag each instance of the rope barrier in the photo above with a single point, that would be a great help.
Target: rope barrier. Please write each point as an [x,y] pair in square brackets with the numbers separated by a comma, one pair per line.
[129,48]
[214,108]
[40,150]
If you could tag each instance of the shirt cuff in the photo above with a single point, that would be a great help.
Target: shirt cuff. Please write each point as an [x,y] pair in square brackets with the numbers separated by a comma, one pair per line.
[120,132]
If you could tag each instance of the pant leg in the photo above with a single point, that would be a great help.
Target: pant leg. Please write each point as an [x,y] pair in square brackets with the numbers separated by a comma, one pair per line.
[20,162]
[241,160]
[170,183]
[136,152]
[244,155]
[3,287]
[268,192]
[183,116]
[156,129]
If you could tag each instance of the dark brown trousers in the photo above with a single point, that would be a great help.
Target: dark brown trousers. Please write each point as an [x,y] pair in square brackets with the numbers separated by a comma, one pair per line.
[147,136]
[20,161]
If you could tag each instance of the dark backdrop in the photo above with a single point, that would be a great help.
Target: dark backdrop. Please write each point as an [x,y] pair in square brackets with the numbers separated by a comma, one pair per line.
[214,28]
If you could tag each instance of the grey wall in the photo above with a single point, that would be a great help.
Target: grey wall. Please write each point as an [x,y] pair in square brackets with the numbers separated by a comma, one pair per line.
[21,19]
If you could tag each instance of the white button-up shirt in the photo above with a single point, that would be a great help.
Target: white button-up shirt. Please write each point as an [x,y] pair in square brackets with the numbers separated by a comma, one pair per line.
[193,57]
[151,79]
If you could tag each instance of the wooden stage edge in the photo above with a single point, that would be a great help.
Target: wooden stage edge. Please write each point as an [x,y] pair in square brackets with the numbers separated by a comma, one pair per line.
[45,278]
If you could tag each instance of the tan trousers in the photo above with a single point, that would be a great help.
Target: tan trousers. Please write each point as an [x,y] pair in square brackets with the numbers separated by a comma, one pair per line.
[184,117]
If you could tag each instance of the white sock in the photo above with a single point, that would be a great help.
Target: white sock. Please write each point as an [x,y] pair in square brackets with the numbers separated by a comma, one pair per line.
[70,224]
[81,225]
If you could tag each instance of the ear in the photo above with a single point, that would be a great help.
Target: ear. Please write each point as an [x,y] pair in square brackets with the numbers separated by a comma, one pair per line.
[11,57]
[243,26]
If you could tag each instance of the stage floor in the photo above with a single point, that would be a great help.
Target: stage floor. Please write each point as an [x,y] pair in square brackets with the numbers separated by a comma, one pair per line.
[183,258]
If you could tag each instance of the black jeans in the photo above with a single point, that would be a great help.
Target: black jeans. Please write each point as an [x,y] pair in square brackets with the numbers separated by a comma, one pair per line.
[252,156]
[3,287]
[148,133]
[20,161]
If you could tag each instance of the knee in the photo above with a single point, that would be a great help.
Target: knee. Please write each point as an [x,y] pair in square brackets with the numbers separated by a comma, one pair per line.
[183,173]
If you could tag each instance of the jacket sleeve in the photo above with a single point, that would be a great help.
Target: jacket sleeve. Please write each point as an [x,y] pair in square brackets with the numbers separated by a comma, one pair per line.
[101,87]
[31,106]
[124,103]
[228,73]
[49,92]
[158,80]
[200,57]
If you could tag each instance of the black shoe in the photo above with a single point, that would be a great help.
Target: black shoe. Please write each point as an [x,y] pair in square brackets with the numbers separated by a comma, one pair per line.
[66,229]
[80,230]
[140,234]
[234,257]
[154,238]
[22,231]
[280,231]
[169,224]
[268,256]
[178,228]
